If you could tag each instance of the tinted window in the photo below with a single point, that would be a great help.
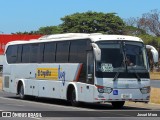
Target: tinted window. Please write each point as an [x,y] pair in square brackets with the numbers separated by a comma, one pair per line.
[19,59]
[41,53]
[78,51]
[12,54]
[25,53]
[49,52]
[34,53]
[62,52]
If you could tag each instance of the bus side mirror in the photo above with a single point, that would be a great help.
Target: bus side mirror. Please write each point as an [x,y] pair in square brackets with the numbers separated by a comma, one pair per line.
[154,53]
[97,52]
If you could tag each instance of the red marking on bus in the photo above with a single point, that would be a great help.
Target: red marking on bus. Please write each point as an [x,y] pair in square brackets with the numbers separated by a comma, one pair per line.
[103,99]
[79,72]
[81,89]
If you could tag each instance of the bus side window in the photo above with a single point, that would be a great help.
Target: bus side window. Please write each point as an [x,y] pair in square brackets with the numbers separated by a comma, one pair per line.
[34,53]
[49,52]
[12,54]
[62,52]
[41,53]
[26,53]
[19,59]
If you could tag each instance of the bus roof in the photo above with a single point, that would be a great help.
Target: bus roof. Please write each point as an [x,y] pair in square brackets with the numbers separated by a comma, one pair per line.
[93,36]
[74,36]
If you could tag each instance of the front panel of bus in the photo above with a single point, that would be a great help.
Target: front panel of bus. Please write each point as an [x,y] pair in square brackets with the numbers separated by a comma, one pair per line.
[122,73]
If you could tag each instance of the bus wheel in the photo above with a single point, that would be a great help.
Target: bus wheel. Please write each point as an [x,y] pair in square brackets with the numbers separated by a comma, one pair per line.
[21,92]
[73,98]
[118,104]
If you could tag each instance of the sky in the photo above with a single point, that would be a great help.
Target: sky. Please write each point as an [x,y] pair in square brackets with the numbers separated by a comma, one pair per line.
[30,15]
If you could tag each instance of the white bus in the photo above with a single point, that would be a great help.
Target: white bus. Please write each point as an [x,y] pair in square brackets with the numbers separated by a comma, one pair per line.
[78,67]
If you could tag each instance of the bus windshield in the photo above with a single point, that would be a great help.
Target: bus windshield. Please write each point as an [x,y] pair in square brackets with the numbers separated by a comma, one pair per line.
[122,56]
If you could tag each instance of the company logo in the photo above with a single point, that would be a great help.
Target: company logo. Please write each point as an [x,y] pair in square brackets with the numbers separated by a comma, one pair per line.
[6,114]
[22,114]
[47,73]
[44,73]
[61,75]
[51,74]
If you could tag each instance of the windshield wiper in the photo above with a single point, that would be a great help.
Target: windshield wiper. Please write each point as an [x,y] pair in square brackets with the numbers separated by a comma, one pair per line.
[116,76]
[124,54]
[138,78]
[117,73]
[136,74]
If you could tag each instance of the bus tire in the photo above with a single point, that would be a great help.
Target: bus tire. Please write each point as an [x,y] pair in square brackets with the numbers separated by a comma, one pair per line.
[21,92]
[73,98]
[118,104]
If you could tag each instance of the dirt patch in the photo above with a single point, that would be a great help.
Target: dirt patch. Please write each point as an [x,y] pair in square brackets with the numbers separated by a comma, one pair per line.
[155,75]
[155,95]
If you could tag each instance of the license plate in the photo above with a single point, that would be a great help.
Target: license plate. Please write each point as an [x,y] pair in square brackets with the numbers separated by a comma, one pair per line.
[126,96]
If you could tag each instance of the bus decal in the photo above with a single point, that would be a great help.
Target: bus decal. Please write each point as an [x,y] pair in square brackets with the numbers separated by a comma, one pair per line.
[79,69]
[51,74]
[44,73]
[47,73]
[61,75]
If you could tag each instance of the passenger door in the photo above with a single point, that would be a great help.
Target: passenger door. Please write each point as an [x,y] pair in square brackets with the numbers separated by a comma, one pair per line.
[89,78]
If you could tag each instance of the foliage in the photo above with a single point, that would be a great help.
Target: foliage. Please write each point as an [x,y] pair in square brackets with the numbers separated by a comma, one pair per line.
[50,30]
[133,31]
[151,22]
[93,22]
[44,30]
[151,40]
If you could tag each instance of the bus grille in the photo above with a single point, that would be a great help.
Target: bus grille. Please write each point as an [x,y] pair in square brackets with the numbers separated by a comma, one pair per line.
[6,81]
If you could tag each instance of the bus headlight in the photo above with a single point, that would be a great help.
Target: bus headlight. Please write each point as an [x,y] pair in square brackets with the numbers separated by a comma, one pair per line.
[145,90]
[108,90]
[102,89]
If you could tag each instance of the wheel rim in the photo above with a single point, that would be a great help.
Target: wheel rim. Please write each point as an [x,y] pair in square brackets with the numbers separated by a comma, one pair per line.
[21,92]
[73,96]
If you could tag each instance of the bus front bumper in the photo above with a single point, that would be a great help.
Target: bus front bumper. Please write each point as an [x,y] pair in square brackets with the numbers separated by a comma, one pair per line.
[134,95]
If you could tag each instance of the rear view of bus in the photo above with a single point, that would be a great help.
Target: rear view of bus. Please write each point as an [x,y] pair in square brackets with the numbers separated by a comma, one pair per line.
[122,70]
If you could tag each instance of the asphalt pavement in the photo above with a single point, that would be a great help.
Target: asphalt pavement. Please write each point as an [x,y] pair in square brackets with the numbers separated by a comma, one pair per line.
[59,109]
[155,83]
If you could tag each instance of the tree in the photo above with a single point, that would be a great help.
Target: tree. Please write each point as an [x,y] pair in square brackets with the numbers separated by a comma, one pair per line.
[151,22]
[44,30]
[132,21]
[50,30]
[134,31]
[93,22]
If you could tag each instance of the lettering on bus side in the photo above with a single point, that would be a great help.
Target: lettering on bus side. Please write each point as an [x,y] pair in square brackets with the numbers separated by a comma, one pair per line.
[47,73]
[44,73]
[51,74]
